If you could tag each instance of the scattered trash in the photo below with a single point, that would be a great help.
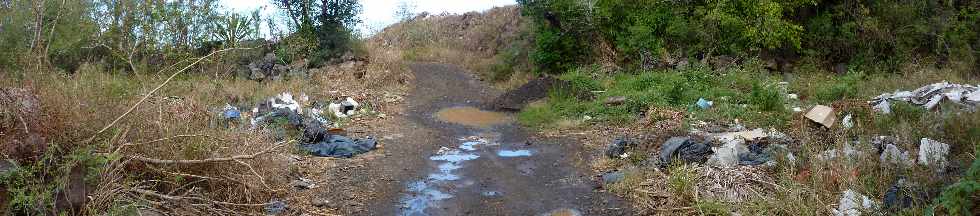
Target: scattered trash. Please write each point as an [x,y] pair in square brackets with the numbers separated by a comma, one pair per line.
[275,207]
[341,146]
[349,106]
[704,104]
[853,204]
[231,112]
[933,153]
[618,147]
[685,149]
[848,152]
[728,154]
[616,100]
[797,109]
[613,177]
[846,122]
[892,155]
[823,115]
[792,96]
[302,184]
[285,100]
[930,96]
[757,154]
[884,107]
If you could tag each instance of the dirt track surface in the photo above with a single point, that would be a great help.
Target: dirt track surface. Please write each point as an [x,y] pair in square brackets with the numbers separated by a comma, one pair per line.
[551,178]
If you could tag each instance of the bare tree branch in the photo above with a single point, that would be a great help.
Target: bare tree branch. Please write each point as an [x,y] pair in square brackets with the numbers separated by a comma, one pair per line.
[208,160]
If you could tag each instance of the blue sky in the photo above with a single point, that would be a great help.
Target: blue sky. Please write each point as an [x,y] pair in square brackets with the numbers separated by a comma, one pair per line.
[380,13]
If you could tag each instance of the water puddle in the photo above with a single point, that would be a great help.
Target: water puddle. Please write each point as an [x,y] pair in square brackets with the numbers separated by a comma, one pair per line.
[471,116]
[427,193]
[514,153]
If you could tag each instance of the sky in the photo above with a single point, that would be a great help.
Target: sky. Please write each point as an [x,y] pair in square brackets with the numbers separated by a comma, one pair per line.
[378,14]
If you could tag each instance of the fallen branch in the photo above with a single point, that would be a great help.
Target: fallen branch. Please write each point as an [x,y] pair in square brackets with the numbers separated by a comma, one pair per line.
[147,96]
[209,160]
[176,198]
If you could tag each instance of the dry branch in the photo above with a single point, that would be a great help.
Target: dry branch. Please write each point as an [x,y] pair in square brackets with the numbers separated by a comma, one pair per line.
[147,96]
[208,160]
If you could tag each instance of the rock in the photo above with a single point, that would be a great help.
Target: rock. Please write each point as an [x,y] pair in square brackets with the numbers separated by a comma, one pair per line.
[256,74]
[616,100]
[618,147]
[320,202]
[275,207]
[823,115]
[75,194]
[853,203]
[613,177]
[933,153]
[892,155]
[302,184]
[722,62]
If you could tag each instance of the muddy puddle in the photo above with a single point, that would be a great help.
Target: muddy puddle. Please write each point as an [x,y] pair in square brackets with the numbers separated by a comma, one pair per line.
[471,116]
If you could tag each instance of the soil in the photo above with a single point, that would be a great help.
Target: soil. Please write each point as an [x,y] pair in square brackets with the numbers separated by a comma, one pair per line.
[509,171]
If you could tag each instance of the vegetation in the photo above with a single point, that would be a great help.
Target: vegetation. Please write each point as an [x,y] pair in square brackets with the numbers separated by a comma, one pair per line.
[748,56]
[91,89]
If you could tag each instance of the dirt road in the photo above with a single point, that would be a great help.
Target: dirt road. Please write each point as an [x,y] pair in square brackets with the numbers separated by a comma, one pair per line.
[441,168]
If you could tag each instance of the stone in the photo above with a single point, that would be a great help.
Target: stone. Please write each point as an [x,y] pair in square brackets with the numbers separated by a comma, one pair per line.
[616,100]
[853,203]
[933,153]
[823,115]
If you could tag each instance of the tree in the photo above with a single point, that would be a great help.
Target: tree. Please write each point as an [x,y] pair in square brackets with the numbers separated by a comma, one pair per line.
[328,22]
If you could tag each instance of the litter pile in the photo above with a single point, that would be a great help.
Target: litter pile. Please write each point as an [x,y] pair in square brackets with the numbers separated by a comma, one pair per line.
[317,138]
[930,96]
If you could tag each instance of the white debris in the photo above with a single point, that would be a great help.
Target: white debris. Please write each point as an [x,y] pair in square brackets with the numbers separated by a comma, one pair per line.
[893,155]
[930,96]
[792,96]
[797,109]
[854,204]
[847,122]
[285,100]
[933,153]
[849,152]
[884,107]
[335,108]
[727,155]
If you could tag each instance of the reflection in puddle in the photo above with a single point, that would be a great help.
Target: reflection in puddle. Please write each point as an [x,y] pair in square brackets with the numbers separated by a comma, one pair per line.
[490,193]
[514,153]
[424,194]
[471,116]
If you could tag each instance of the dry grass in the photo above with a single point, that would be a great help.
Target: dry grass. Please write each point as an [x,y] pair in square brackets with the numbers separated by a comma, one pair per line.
[475,41]
[181,122]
